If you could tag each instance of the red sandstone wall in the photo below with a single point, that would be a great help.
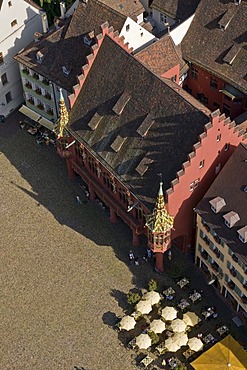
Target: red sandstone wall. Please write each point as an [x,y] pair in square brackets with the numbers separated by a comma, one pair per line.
[174,71]
[181,200]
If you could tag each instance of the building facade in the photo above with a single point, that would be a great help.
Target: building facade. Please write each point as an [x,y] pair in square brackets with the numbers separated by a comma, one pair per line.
[221,238]
[19,21]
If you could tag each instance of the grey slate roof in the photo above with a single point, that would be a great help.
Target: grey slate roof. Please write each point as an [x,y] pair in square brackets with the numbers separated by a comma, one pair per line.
[176,9]
[176,123]
[229,185]
[206,45]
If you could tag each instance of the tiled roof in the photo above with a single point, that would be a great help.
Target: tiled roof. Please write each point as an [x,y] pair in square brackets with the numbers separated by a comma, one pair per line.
[214,49]
[229,185]
[58,53]
[128,8]
[166,143]
[32,3]
[66,48]
[176,9]
[89,17]
[161,56]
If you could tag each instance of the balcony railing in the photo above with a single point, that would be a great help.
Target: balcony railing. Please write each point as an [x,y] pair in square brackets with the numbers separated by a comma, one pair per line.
[204,255]
[233,272]
[231,284]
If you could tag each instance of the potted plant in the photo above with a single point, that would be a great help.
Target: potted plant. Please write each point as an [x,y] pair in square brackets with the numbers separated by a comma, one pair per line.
[133,298]
[28,85]
[40,106]
[38,91]
[36,76]
[25,71]
[48,96]
[152,285]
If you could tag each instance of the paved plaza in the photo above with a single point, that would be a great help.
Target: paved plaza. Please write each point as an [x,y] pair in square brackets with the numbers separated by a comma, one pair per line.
[64,267]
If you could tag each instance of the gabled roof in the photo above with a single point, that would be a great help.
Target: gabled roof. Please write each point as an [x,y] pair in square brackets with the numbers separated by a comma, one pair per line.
[229,185]
[128,8]
[89,17]
[222,52]
[168,141]
[176,9]
[161,56]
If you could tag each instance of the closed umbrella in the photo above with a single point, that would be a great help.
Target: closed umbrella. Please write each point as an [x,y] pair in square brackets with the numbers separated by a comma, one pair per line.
[144,307]
[169,313]
[180,339]
[191,319]
[153,297]
[170,345]
[178,326]
[127,323]
[143,341]
[195,344]
[157,326]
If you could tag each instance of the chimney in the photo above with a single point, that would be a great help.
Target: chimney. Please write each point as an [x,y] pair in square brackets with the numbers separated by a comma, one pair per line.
[44,22]
[62,9]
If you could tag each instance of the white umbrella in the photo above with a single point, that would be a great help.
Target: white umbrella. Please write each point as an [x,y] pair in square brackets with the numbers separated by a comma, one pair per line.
[169,313]
[127,323]
[143,341]
[180,339]
[191,319]
[170,345]
[178,326]
[195,344]
[144,307]
[153,297]
[157,326]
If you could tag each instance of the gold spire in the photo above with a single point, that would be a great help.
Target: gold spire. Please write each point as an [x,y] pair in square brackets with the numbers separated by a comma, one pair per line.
[159,221]
[63,115]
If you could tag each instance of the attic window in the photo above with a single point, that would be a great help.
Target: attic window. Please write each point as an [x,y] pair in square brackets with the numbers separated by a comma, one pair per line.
[242,234]
[87,41]
[127,27]
[14,23]
[245,189]
[231,218]
[121,103]
[232,53]
[143,165]
[118,143]
[226,19]
[39,57]
[94,121]
[145,125]
[65,71]
[217,203]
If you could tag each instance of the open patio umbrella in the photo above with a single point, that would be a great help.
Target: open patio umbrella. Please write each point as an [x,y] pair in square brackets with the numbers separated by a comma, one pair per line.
[171,346]
[157,326]
[227,354]
[144,307]
[195,344]
[169,313]
[191,319]
[153,297]
[143,341]
[180,339]
[178,326]
[127,323]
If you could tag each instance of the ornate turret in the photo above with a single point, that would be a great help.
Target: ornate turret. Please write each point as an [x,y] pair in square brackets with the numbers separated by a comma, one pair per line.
[63,115]
[159,224]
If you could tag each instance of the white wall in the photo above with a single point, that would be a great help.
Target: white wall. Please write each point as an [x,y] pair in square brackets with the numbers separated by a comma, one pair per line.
[135,35]
[71,10]
[12,40]
[180,31]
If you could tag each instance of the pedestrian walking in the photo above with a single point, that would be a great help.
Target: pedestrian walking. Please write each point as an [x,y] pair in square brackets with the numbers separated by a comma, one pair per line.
[78,200]
[137,263]
[149,253]
[131,257]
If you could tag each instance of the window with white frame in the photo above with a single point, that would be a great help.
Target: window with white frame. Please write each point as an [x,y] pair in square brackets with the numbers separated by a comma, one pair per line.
[201,164]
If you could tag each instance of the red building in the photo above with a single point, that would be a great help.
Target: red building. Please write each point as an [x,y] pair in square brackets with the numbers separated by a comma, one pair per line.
[215,48]
[127,125]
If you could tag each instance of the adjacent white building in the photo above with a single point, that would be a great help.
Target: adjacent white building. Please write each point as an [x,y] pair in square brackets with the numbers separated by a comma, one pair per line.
[19,20]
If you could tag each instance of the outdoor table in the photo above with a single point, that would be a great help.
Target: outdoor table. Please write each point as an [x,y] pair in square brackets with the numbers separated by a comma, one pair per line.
[161,348]
[207,313]
[209,338]
[188,353]
[195,296]
[146,361]
[183,304]
[183,282]
[173,362]
[222,330]
[169,292]
[132,343]
[136,314]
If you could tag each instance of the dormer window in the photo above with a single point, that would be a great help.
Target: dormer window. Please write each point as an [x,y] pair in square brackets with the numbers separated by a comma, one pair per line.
[65,71]
[39,57]
[231,218]
[242,234]
[87,40]
[217,204]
